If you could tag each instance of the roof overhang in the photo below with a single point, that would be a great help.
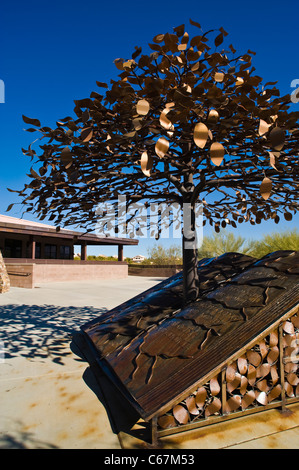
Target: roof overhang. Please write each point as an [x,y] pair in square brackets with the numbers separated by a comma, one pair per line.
[77,237]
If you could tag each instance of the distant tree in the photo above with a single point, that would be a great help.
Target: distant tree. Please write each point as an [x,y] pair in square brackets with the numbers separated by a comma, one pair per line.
[188,122]
[224,242]
[101,258]
[161,255]
[286,240]
[91,258]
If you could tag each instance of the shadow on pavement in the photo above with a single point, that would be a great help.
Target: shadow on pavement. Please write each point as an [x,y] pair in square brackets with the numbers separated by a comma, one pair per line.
[41,331]
[121,414]
[17,438]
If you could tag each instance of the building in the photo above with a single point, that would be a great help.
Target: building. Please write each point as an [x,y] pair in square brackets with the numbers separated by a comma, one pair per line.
[138,258]
[35,252]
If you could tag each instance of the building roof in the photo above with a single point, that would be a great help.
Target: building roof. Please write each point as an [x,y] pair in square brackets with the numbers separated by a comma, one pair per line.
[157,352]
[21,226]
[6,219]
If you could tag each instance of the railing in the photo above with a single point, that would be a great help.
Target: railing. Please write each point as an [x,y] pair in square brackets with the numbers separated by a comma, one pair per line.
[10,273]
[59,261]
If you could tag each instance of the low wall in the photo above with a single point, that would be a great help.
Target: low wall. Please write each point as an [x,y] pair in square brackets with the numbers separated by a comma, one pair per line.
[151,270]
[29,273]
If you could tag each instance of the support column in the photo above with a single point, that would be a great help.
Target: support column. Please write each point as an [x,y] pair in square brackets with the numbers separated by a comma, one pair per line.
[32,247]
[190,261]
[154,431]
[83,251]
[120,252]
[281,368]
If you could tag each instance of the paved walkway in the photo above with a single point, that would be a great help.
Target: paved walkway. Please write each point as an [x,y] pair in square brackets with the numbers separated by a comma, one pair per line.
[49,395]
[46,390]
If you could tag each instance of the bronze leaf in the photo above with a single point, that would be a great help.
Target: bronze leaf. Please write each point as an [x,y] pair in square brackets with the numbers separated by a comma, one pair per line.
[274,393]
[213,407]
[273,355]
[146,163]
[161,147]
[277,138]
[242,365]
[217,152]
[143,107]
[233,404]
[200,397]
[181,414]
[191,405]
[214,386]
[166,421]
[265,188]
[200,134]
[247,400]
[253,357]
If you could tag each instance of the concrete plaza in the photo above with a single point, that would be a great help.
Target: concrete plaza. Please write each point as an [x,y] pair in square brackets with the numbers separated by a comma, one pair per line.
[50,397]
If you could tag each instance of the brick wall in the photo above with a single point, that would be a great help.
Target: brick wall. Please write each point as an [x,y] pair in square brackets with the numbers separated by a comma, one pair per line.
[151,270]
[29,274]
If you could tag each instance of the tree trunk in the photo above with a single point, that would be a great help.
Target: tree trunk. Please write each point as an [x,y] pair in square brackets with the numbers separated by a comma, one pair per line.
[190,261]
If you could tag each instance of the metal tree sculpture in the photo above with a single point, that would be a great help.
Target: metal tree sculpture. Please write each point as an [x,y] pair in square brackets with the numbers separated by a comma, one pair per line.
[188,122]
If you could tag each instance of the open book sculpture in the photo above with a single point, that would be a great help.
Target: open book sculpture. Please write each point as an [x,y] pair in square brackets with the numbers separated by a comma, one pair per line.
[231,352]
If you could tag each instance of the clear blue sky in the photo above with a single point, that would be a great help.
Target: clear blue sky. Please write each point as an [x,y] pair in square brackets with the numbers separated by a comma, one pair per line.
[53,52]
